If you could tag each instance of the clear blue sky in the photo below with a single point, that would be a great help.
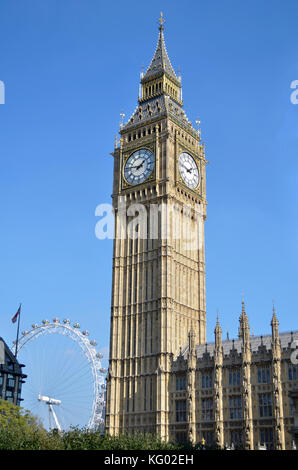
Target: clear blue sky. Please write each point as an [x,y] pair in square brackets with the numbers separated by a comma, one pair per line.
[69,68]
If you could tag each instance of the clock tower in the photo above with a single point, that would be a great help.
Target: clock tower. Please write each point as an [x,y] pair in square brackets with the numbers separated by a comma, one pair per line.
[158,286]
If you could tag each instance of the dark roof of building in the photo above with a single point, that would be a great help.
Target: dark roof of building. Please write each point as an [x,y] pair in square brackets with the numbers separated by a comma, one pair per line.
[162,105]
[286,340]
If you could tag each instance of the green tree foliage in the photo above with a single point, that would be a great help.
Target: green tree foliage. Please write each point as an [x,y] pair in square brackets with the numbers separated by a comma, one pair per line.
[20,430]
[90,440]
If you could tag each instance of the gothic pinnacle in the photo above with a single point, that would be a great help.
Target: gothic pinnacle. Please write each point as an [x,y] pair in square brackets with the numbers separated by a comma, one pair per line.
[243,316]
[217,326]
[274,317]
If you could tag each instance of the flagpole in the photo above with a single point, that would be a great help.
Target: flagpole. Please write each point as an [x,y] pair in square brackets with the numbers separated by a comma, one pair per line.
[18,331]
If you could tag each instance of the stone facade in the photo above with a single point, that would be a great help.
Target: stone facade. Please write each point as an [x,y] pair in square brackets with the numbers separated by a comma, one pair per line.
[158,290]
[293,395]
[163,378]
[241,390]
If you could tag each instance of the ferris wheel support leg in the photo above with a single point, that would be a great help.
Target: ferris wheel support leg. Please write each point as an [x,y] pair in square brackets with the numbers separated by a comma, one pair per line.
[50,419]
[55,417]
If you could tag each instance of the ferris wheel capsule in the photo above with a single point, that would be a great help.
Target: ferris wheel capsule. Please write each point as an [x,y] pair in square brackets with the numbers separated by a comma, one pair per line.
[34,326]
[85,333]
[77,325]
[102,370]
[99,355]
[24,333]
[56,320]
[93,342]
[66,321]
[45,322]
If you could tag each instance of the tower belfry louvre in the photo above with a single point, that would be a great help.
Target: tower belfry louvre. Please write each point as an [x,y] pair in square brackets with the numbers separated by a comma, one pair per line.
[158,289]
[163,377]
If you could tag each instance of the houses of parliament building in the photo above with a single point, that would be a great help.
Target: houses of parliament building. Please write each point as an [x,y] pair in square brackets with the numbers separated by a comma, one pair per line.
[163,377]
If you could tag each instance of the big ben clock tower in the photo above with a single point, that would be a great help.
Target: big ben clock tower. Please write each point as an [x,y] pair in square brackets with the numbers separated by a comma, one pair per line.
[158,289]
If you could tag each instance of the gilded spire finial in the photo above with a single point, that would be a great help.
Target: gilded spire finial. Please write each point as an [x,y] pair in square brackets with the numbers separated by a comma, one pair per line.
[161,22]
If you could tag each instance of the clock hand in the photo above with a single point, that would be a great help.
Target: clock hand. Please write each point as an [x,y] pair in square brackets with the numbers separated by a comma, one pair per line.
[139,166]
[189,170]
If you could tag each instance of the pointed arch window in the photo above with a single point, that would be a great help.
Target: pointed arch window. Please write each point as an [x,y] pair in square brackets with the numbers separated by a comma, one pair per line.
[264,375]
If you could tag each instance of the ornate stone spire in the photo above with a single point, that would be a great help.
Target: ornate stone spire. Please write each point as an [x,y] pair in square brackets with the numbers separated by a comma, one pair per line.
[218,392]
[274,321]
[243,312]
[244,334]
[217,326]
[217,333]
[191,380]
[191,341]
[275,334]
[277,384]
[244,331]
[160,64]
[160,92]
[160,78]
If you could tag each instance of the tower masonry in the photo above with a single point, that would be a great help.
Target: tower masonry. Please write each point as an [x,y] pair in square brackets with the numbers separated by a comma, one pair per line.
[164,378]
[158,289]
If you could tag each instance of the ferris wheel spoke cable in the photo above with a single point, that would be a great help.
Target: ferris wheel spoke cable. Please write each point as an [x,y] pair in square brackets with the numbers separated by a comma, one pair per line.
[67,371]
[67,415]
[75,369]
[62,382]
[72,380]
[76,383]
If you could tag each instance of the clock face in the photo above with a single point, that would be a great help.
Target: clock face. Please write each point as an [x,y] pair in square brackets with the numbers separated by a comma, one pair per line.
[139,166]
[188,170]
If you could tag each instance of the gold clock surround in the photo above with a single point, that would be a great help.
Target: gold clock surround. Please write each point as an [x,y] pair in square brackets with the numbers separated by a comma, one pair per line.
[124,183]
[181,149]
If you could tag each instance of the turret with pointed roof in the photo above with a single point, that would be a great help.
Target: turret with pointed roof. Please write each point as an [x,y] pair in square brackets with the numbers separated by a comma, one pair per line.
[160,64]
[160,92]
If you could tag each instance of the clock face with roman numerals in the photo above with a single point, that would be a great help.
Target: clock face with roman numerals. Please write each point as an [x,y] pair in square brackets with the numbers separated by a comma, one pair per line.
[139,166]
[188,170]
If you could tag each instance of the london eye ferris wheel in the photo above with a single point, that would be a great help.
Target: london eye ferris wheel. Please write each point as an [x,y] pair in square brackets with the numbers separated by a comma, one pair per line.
[65,385]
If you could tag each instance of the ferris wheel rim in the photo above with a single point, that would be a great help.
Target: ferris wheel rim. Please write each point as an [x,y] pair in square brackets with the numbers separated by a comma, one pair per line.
[88,349]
